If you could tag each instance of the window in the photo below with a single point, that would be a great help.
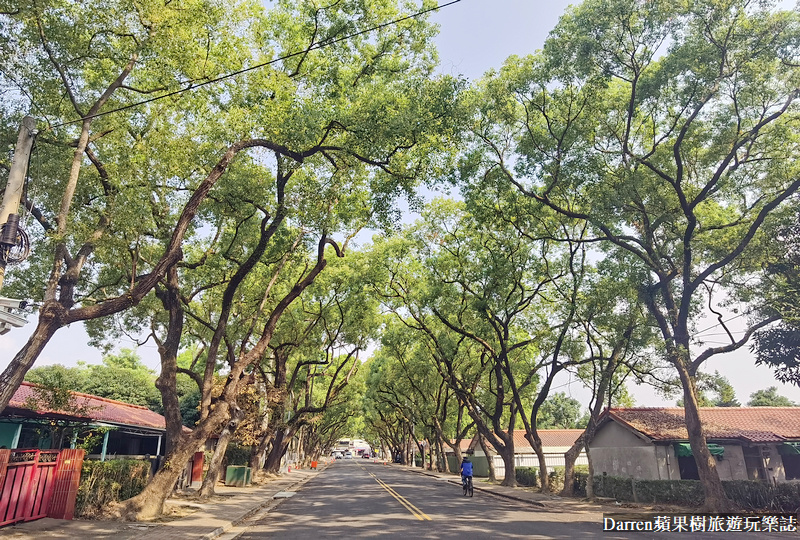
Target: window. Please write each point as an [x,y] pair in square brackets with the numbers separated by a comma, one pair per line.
[754,463]
[688,468]
[791,466]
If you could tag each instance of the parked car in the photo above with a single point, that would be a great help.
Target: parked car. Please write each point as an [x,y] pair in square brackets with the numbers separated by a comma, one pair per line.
[365,455]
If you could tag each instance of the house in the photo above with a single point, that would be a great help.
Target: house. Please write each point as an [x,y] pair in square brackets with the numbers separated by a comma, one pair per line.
[107,426]
[555,442]
[755,443]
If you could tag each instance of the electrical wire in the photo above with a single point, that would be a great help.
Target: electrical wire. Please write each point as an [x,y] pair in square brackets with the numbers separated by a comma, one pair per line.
[313,47]
[719,324]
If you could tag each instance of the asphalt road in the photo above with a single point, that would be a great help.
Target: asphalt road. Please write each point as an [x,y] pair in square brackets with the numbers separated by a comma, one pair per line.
[359,499]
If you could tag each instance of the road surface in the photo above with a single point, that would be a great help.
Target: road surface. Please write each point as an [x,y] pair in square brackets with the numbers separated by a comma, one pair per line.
[361,499]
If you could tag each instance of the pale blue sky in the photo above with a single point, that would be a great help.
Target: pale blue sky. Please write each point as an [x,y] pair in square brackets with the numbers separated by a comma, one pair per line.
[475,36]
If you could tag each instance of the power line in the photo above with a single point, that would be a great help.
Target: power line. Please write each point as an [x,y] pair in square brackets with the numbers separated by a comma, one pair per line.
[313,47]
[720,323]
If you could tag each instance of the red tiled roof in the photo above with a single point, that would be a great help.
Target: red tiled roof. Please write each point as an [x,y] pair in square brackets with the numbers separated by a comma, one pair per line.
[550,438]
[464,444]
[97,409]
[755,424]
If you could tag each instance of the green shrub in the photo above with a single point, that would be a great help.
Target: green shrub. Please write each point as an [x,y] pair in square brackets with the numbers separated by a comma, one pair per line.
[752,495]
[237,454]
[579,487]
[613,486]
[681,492]
[749,495]
[556,477]
[527,476]
[105,482]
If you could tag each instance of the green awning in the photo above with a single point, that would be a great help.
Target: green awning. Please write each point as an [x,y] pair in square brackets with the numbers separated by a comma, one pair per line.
[789,449]
[683,449]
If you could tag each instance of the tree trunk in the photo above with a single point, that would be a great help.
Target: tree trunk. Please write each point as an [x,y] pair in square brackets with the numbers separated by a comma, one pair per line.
[166,383]
[715,498]
[257,461]
[489,458]
[543,475]
[149,504]
[570,456]
[12,377]
[279,446]
[590,480]
[218,459]
[507,454]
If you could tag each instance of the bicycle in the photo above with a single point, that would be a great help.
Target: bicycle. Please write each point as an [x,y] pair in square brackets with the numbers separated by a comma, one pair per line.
[466,483]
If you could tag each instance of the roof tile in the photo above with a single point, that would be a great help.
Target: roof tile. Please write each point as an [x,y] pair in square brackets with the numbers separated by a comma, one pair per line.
[755,424]
[98,409]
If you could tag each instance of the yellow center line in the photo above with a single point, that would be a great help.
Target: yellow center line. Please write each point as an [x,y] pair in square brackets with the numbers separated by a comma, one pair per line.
[416,512]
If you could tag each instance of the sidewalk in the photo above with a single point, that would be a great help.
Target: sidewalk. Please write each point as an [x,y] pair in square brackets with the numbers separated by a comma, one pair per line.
[210,520]
[549,503]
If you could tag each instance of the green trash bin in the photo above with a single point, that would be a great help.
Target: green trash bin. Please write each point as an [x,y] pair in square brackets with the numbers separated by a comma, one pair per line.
[237,475]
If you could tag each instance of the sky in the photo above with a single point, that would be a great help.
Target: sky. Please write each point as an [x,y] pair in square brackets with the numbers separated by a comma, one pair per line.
[475,36]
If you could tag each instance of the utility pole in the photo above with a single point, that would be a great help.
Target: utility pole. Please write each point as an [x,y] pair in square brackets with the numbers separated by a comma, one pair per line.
[13,194]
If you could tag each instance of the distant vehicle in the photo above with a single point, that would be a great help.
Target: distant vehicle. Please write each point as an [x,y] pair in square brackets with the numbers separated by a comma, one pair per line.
[365,455]
[337,455]
[348,455]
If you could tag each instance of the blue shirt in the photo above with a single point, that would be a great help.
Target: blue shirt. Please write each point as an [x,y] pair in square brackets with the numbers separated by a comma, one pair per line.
[466,468]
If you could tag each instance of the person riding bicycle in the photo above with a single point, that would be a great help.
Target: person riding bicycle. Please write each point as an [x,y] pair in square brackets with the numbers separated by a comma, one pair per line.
[466,470]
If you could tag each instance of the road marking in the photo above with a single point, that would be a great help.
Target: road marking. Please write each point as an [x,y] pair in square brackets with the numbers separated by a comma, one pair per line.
[416,512]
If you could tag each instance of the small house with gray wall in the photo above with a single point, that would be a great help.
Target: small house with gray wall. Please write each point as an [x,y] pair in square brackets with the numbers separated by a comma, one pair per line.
[749,443]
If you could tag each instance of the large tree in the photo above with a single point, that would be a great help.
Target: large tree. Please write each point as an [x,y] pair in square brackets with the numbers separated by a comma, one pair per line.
[669,129]
[356,123]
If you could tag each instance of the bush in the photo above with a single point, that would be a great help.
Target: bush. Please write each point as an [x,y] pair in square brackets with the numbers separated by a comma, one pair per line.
[681,492]
[527,476]
[752,495]
[237,454]
[749,495]
[556,477]
[579,486]
[105,482]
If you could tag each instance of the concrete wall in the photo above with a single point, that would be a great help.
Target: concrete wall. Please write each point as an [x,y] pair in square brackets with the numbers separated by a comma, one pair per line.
[731,466]
[616,451]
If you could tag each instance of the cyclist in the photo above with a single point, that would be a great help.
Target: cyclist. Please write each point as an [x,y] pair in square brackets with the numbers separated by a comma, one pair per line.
[466,470]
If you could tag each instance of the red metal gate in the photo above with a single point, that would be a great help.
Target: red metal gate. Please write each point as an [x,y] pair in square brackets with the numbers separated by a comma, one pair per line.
[29,478]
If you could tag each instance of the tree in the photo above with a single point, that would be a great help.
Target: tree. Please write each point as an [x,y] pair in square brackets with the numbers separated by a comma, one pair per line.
[769,397]
[356,124]
[779,345]
[560,411]
[667,128]
[122,377]
[722,393]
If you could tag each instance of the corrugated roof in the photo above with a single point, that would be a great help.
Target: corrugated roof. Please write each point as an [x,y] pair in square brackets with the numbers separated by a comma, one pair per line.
[97,408]
[754,424]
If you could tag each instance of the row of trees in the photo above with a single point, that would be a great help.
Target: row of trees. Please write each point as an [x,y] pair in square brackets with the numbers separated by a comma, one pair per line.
[656,140]
[614,185]
[205,220]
